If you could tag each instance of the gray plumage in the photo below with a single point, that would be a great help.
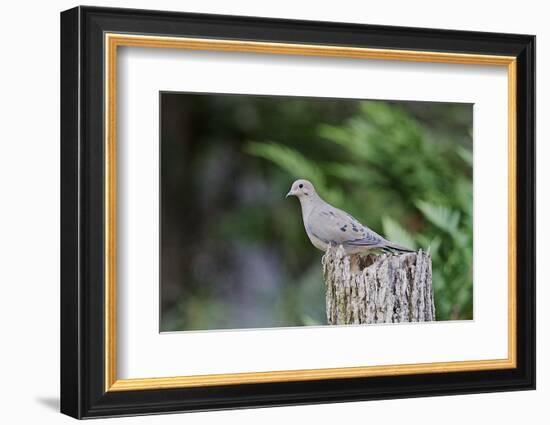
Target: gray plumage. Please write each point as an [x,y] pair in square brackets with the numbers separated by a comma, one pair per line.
[325,224]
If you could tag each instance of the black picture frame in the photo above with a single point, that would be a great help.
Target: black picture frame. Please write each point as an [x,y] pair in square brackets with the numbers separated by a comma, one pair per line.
[83,392]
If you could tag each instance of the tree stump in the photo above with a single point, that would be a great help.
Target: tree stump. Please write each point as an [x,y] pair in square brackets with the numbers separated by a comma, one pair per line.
[385,288]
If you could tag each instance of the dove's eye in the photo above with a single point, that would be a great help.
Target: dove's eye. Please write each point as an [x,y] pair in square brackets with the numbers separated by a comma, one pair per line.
[301,185]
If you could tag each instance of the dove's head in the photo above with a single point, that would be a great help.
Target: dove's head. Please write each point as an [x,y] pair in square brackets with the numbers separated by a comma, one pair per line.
[302,189]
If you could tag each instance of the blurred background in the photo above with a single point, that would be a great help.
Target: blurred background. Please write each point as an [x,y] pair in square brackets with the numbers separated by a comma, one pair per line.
[234,253]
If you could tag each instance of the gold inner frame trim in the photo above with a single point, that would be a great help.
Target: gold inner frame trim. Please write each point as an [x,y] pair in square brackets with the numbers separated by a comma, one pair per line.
[113,41]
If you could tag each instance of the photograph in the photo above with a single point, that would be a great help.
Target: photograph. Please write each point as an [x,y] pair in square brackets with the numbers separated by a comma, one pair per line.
[285,211]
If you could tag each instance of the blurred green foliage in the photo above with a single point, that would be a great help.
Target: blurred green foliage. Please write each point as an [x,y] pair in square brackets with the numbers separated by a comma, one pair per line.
[389,172]
[234,253]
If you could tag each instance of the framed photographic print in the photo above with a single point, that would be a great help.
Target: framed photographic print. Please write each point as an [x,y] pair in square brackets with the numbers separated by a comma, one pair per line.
[261,212]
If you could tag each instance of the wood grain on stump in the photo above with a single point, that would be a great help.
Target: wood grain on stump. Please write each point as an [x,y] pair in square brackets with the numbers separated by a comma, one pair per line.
[385,288]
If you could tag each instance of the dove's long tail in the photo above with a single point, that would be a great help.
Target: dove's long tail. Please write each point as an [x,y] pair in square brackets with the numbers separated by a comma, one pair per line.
[394,247]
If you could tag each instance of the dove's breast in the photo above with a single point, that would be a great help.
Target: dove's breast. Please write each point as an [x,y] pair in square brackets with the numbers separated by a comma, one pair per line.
[317,243]
[315,240]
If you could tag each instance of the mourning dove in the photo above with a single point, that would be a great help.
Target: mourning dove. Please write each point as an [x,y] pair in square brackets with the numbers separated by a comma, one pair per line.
[326,224]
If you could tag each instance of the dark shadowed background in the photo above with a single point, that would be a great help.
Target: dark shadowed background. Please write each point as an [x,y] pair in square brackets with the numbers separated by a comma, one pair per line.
[234,253]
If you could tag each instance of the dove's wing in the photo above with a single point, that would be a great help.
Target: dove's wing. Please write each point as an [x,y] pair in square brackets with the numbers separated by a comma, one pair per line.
[371,240]
[335,226]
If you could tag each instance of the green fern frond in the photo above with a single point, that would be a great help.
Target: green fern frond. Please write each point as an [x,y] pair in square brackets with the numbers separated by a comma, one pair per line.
[443,217]
[397,234]
[289,160]
[466,155]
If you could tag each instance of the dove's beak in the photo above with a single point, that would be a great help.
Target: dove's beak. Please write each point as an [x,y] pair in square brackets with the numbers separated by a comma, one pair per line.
[289,194]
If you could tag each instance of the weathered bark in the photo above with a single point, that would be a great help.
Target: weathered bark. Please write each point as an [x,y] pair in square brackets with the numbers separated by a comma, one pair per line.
[382,288]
